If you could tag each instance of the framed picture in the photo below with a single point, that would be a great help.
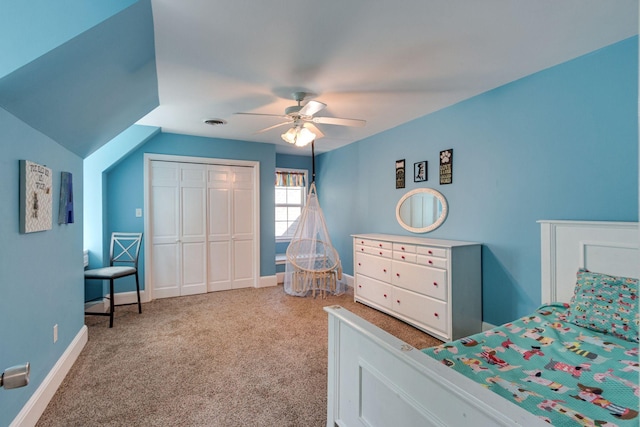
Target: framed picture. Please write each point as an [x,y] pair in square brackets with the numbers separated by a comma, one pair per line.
[420,171]
[400,173]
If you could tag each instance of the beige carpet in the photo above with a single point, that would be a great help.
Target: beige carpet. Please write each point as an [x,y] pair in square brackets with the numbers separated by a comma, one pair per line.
[248,357]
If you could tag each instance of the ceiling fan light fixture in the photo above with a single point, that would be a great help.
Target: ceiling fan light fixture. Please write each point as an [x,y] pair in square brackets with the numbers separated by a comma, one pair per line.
[299,136]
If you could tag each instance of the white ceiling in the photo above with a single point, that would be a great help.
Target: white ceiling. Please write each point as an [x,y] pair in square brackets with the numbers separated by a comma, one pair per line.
[386,62]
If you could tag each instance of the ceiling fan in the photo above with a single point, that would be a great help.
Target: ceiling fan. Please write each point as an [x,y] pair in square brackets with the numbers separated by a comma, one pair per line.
[302,117]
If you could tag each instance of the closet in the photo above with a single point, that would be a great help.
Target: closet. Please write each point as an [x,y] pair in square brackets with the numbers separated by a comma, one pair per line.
[201,227]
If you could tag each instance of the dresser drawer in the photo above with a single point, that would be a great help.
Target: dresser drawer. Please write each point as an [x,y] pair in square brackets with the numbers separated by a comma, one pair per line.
[430,251]
[372,266]
[402,256]
[380,244]
[425,310]
[424,280]
[432,261]
[401,247]
[380,252]
[374,291]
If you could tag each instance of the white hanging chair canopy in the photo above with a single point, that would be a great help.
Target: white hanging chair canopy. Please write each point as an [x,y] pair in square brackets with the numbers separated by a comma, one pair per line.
[313,264]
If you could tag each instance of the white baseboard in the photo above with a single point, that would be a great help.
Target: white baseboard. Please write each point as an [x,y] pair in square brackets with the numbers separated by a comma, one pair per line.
[348,279]
[39,400]
[267,281]
[280,277]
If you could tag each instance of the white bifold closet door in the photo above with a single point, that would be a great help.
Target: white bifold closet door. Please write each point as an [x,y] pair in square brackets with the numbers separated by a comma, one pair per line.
[230,212]
[179,228]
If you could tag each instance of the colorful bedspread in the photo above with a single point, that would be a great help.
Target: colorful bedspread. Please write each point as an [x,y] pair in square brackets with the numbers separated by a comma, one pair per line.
[565,374]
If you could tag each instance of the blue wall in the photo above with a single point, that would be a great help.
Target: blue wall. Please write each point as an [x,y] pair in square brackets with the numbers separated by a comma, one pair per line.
[125,192]
[41,273]
[559,144]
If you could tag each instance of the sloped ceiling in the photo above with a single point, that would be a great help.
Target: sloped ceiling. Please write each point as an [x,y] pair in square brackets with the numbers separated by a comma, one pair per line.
[88,90]
[172,64]
[386,62]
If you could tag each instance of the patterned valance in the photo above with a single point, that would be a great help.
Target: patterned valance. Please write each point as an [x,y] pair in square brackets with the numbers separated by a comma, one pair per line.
[289,179]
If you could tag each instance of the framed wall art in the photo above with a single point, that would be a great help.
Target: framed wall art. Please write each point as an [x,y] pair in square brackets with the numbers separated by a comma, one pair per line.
[420,172]
[35,197]
[65,211]
[400,173]
[446,166]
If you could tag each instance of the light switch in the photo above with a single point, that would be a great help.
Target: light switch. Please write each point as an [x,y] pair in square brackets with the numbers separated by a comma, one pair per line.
[138,213]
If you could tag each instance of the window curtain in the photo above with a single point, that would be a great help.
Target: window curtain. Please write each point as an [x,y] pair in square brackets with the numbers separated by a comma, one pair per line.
[289,179]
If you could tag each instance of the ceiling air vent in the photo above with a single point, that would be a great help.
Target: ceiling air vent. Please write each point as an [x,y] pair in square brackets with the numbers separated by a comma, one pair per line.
[215,122]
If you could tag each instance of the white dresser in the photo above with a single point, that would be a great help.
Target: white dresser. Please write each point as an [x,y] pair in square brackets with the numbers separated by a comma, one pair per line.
[434,285]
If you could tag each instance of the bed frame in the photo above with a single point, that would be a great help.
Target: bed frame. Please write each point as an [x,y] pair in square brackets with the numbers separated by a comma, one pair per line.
[375,379]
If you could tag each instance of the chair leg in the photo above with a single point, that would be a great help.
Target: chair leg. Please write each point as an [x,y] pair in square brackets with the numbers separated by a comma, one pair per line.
[111,304]
[138,290]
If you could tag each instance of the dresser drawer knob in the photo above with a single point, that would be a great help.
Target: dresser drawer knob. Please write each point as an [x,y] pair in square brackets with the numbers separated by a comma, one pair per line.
[384,270]
[385,295]
[430,262]
[359,264]
[402,247]
[380,244]
[359,286]
[402,257]
[435,283]
[362,249]
[397,274]
[436,314]
[430,252]
[398,301]
[362,242]
[380,252]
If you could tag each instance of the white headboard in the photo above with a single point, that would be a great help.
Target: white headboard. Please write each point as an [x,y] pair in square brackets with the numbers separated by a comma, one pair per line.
[599,246]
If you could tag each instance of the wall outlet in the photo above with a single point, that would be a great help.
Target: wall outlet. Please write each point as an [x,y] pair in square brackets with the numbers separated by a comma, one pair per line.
[55,333]
[138,213]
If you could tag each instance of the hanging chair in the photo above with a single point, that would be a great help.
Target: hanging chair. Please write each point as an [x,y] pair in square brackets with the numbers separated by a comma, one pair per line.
[313,265]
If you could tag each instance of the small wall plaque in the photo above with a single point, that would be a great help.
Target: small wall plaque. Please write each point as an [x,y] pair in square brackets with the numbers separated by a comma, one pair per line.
[35,197]
[446,166]
[420,171]
[400,173]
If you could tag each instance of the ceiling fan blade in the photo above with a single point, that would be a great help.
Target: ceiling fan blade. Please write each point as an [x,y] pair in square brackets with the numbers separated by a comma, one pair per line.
[339,122]
[275,126]
[311,108]
[282,116]
[313,128]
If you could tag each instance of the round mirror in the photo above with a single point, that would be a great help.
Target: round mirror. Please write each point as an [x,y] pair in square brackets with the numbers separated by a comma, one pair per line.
[422,210]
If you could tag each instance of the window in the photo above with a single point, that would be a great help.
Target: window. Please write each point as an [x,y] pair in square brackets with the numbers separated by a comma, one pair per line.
[291,194]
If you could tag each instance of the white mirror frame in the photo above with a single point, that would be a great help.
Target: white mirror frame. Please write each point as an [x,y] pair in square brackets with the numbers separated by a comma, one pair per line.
[437,223]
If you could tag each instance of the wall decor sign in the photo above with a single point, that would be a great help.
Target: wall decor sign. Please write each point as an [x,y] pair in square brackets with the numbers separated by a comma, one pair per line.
[35,197]
[65,211]
[446,166]
[420,171]
[400,173]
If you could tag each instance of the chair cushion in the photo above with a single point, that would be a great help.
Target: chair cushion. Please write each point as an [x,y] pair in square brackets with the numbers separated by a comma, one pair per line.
[106,273]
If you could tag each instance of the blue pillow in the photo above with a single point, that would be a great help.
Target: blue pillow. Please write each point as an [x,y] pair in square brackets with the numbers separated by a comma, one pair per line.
[606,303]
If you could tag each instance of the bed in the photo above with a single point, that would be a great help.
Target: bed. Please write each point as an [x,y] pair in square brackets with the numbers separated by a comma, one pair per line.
[375,379]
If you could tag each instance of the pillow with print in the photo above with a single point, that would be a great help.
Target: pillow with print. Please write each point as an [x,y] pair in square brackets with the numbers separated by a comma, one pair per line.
[606,304]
